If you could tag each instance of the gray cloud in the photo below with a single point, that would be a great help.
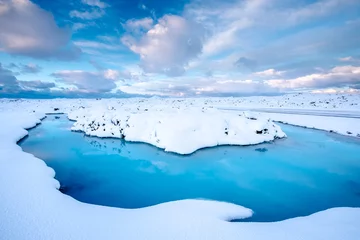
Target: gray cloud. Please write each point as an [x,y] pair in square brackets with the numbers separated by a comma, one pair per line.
[36,85]
[9,84]
[8,81]
[95,82]
[25,68]
[28,30]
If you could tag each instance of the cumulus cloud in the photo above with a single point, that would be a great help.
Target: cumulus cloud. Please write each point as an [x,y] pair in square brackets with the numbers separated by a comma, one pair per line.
[92,82]
[26,29]
[341,76]
[168,46]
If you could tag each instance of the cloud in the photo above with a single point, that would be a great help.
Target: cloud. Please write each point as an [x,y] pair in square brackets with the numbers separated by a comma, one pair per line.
[97,45]
[168,46]
[87,15]
[269,73]
[9,84]
[91,82]
[200,86]
[95,3]
[36,85]
[28,30]
[30,68]
[8,81]
[246,63]
[349,59]
[78,26]
[229,22]
[341,76]
[138,25]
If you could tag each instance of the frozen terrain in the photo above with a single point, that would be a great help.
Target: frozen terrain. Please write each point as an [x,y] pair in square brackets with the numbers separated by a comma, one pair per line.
[182,131]
[31,207]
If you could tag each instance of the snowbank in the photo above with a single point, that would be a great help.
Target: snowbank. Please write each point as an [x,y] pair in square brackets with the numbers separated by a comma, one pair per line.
[31,207]
[181,131]
[344,126]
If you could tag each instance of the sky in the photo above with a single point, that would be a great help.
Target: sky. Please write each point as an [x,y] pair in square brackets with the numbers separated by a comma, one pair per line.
[178,48]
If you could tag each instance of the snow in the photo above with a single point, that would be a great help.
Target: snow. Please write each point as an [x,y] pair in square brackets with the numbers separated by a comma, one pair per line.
[32,207]
[348,126]
[181,131]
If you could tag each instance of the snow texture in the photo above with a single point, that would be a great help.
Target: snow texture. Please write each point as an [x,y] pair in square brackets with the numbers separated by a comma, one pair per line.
[32,207]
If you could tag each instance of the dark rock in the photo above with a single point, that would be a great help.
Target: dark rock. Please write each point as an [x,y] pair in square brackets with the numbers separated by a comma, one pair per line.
[261,149]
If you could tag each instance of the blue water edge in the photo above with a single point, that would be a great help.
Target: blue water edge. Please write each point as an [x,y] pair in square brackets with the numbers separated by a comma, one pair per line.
[307,172]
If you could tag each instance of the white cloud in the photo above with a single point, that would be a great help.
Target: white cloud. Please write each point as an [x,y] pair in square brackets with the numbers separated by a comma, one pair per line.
[269,73]
[168,46]
[95,3]
[111,74]
[337,77]
[229,22]
[87,15]
[349,59]
[138,25]
[90,82]
[78,26]
[199,86]
[97,45]
[26,29]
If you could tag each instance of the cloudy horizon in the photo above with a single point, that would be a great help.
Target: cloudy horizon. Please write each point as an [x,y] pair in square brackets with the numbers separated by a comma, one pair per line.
[186,48]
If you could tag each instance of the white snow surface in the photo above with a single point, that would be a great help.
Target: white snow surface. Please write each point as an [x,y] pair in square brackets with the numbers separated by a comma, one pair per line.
[182,130]
[31,207]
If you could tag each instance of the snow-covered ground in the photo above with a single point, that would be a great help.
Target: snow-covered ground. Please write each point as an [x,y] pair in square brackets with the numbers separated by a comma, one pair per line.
[182,131]
[31,207]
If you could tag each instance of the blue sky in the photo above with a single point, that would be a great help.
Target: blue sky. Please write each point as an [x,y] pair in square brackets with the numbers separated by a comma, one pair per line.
[95,48]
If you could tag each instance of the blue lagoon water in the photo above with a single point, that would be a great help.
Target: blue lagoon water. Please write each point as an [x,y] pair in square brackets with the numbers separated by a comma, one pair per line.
[307,172]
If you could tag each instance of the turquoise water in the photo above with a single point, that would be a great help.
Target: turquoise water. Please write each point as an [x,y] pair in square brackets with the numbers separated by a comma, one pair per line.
[305,173]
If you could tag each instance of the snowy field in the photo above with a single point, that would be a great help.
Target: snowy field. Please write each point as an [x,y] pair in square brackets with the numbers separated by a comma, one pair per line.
[31,207]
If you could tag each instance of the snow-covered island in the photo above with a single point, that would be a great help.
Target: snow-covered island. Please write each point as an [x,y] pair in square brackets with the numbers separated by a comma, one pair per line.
[32,207]
[181,131]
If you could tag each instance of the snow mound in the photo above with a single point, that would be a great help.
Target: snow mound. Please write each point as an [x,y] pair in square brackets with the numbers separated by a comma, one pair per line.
[181,131]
